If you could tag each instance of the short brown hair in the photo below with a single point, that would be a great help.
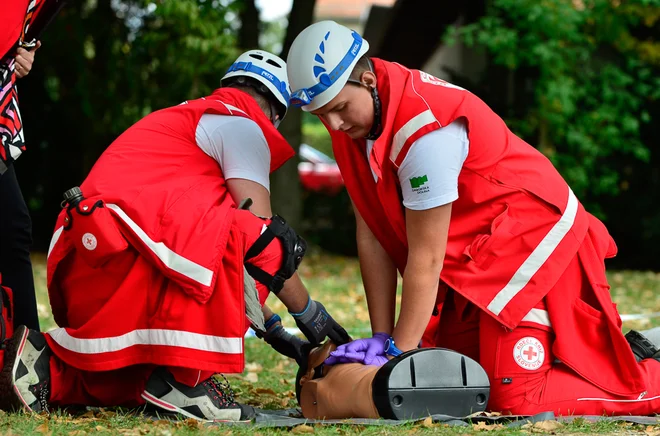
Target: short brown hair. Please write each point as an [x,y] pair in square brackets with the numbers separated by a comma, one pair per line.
[263,101]
[363,64]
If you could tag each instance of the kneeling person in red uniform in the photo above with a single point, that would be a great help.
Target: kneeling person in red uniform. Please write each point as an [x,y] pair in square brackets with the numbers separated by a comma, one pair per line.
[499,259]
[150,267]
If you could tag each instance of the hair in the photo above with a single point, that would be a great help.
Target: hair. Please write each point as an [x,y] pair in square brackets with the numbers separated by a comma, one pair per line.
[251,86]
[363,64]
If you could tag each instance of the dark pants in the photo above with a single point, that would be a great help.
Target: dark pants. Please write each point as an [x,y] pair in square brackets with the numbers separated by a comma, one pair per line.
[15,242]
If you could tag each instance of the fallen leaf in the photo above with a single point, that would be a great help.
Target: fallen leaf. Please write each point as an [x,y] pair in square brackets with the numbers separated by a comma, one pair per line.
[43,428]
[99,428]
[77,433]
[284,402]
[482,426]
[252,377]
[652,431]
[547,426]
[303,429]
[428,422]
[265,391]
[253,367]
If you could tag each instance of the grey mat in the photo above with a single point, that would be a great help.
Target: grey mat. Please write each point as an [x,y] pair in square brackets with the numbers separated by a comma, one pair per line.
[292,417]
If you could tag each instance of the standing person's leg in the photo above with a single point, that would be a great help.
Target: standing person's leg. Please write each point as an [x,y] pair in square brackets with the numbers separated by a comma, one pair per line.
[15,243]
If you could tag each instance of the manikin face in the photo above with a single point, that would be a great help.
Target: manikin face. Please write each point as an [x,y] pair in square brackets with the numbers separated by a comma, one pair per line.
[352,110]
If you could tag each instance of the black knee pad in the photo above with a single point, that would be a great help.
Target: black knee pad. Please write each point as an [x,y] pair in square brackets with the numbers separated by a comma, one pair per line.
[430,381]
[293,246]
[641,347]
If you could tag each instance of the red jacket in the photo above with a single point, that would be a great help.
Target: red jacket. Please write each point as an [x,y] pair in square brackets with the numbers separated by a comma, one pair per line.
[171,203]
[515,226]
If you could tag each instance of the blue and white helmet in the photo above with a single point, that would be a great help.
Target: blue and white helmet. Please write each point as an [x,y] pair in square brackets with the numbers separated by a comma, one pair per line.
[266,68]
[320,62]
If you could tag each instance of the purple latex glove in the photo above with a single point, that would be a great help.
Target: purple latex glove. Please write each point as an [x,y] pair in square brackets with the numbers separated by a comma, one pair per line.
[360,351]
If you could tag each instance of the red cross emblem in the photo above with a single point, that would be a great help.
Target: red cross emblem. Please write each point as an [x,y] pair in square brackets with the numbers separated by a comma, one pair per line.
[529,353]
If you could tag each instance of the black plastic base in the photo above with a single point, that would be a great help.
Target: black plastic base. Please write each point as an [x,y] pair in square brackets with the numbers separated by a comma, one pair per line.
[430,381]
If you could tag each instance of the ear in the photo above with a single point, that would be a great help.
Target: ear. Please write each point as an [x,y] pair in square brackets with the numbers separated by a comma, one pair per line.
[369,79]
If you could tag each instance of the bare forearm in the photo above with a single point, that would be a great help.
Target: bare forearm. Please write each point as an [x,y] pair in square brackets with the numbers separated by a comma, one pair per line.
[420,289]
[294,294]
[268,313]
[379,278]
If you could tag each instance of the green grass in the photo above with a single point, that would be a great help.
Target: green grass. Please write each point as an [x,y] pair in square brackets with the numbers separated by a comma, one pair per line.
[269,378]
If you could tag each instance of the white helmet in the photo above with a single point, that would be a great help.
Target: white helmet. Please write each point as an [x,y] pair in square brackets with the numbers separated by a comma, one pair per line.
[267,69]
[320,61]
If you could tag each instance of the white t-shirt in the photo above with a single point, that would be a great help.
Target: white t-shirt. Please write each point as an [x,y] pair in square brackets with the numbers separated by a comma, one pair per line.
[238,145]
[429,173]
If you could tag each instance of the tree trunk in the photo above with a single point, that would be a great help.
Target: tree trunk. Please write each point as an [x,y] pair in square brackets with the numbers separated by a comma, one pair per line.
[248,35]
[286,194]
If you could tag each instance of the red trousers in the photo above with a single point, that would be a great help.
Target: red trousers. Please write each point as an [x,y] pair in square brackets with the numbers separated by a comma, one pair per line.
[123,387]
[525,377]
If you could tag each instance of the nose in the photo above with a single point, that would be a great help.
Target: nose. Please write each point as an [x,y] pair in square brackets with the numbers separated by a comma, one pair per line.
[334,120]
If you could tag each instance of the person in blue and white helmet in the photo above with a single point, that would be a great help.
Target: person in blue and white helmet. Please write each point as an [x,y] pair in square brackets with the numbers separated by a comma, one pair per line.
[498,258]
[265,74]
[198,271]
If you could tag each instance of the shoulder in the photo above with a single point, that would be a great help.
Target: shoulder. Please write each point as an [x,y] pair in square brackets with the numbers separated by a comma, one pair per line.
[241,125]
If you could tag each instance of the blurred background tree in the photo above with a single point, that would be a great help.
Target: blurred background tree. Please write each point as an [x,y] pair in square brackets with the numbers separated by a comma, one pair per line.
[579,79]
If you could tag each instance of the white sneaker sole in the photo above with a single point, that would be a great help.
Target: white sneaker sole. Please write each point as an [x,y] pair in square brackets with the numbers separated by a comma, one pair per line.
[172,408]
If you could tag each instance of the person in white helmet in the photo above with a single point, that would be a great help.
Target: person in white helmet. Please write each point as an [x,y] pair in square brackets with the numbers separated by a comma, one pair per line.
[499,259]
[151,263]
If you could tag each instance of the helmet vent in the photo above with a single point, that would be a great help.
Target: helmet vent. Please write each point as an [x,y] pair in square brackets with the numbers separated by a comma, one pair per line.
[256,56]
[273,63]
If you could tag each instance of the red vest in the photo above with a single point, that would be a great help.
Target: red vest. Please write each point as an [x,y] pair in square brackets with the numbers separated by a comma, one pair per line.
[170,201]
[516,224]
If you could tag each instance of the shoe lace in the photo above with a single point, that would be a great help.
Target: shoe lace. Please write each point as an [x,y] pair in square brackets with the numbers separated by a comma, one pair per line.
[43,399]
[223,389]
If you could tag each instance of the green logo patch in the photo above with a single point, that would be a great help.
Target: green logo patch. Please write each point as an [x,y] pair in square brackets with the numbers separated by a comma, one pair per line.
[416,182]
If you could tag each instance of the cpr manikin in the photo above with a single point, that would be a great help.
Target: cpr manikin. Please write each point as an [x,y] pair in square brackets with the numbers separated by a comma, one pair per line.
[416,384]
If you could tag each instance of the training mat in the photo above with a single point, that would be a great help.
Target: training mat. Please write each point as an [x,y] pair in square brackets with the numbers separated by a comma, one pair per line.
[293,417]
[290,418]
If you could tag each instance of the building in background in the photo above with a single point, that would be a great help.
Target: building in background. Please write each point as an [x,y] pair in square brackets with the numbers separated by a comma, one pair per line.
[350,13]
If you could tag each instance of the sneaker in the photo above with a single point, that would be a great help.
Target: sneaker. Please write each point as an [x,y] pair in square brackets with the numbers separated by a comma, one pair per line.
[211,400]
[25,376]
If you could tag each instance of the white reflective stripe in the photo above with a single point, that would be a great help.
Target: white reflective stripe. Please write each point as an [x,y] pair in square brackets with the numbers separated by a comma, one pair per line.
[537,258]
[232,108]
[610,400]
[172,338]
[409,129]
[14,151]
[172,260]
[539,316]
[54,239]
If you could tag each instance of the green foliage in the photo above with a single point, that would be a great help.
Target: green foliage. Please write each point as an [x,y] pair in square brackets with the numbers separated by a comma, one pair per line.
[590,72]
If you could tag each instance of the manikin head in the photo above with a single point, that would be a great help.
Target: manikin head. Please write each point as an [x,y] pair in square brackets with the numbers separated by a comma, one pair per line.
[332,77]
[262,75]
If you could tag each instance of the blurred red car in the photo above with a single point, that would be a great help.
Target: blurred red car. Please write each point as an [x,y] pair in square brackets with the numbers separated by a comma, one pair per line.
[318,172]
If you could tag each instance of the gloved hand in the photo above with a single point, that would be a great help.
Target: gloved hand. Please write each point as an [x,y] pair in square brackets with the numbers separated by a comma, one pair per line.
[287,344]
[316,323]
[370,351]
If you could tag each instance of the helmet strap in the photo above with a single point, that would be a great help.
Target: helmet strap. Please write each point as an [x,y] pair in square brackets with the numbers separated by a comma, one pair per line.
[377,125]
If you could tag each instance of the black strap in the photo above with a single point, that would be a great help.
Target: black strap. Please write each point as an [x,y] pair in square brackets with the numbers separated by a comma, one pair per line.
[3,326]
[276,228]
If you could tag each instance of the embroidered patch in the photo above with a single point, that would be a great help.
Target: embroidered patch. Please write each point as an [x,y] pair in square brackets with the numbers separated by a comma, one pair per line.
[89,241]
[529,353]
[426,77]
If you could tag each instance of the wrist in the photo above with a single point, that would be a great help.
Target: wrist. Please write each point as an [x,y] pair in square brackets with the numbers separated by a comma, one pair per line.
[304,310]
[272,321]
[391,349]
